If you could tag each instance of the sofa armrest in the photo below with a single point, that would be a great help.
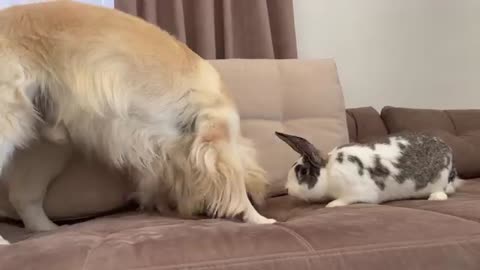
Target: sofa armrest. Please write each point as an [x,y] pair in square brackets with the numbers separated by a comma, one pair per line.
[364,124]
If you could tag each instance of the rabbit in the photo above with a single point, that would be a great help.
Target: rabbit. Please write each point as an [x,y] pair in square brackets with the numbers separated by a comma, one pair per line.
[401,166]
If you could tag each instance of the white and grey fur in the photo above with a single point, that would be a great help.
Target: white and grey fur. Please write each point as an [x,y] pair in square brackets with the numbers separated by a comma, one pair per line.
[402,166]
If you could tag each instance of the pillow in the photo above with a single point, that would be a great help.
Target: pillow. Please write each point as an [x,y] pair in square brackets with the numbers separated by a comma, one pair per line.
[82,189]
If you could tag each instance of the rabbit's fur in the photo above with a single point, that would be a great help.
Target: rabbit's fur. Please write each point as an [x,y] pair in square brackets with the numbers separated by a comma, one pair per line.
[402,166]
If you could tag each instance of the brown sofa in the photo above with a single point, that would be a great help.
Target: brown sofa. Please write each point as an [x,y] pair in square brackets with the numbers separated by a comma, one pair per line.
[412,234]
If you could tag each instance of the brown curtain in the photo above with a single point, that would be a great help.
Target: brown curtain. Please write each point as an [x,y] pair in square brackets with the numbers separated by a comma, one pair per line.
[219,29]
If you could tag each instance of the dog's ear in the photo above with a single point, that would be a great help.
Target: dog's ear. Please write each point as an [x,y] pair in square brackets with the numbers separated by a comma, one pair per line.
[302,146]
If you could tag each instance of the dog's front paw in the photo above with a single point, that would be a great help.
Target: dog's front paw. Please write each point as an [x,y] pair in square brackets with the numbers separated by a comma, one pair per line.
[264,221]
[255,218]
[268,221]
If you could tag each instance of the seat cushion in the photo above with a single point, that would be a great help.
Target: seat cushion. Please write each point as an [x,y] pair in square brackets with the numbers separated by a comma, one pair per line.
[414,234]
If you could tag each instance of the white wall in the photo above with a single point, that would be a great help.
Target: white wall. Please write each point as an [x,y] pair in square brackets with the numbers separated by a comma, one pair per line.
[414,53]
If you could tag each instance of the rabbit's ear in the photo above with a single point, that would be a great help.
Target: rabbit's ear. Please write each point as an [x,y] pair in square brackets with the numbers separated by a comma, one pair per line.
[301,146]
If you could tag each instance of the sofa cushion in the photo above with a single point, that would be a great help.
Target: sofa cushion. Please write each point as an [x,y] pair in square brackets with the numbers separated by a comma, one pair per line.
[302,97]
[459,128]
[413,234]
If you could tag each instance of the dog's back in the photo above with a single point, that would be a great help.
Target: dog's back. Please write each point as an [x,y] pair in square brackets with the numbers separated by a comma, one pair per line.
[111,65]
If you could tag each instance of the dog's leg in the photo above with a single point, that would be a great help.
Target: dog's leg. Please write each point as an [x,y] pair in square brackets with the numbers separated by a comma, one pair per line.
[16,131]
[55,133]
[220,162]
[251,215]
[28,178]
[17,113]
[152,193]
[17,127]
[255,180]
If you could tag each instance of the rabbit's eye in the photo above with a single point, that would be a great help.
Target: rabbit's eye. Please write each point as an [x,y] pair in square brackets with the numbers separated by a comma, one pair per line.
[303,171]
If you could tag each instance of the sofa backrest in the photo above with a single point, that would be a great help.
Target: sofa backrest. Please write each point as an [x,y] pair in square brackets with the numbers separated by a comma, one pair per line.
[301,97]
[460,129]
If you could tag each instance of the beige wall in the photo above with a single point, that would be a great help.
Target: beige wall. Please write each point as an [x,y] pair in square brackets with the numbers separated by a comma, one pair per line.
[416,53]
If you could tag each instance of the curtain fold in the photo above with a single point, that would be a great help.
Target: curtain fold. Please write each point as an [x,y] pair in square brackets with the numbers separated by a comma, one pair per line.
[220,29]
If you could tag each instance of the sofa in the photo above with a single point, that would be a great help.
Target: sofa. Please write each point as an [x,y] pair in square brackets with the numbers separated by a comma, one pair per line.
[101,229]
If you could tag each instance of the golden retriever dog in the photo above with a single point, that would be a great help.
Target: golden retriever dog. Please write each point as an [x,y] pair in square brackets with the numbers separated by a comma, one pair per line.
[129,93]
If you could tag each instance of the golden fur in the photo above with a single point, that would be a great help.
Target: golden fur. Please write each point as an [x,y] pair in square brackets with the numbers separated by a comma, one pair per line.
[132,94]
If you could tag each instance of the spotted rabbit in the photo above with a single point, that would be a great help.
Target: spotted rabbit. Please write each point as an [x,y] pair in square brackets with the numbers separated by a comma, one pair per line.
[402,166]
